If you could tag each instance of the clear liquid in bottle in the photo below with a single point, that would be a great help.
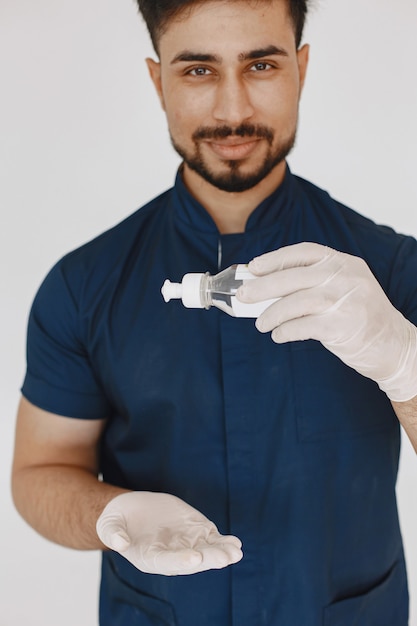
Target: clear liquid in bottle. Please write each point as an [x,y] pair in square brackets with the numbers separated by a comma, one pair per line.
[203,291]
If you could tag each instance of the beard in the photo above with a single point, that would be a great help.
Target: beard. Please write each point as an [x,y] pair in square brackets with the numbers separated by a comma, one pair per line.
[234,180]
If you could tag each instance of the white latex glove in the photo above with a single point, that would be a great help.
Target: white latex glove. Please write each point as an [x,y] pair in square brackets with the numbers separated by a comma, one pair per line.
[160,534]
[334,298]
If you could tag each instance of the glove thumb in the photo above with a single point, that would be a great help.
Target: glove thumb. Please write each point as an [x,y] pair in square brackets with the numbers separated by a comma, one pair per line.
[112,532]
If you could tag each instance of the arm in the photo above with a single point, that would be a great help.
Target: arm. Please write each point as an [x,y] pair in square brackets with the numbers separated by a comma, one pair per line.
[55,476]
[407,415]
[56,490]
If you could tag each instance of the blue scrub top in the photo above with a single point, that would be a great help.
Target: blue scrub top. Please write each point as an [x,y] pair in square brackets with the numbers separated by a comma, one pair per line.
[281,445]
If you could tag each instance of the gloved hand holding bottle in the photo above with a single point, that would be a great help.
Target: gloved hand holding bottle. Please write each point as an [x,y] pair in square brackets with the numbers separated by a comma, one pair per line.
[161,534]
[334,298]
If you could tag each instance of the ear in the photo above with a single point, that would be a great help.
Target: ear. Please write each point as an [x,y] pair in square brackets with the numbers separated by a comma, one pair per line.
[302,58]
[154,69]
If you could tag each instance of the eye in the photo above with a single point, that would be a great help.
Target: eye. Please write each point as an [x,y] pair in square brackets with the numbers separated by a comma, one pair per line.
[199,71]
[261,66]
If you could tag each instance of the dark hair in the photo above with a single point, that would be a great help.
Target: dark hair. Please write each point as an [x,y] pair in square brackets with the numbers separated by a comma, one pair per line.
[158,13]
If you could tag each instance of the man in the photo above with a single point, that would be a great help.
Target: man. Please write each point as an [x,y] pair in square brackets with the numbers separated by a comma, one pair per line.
[206,433]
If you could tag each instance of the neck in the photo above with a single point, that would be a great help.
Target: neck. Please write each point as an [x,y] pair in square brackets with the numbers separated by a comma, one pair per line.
[230,211]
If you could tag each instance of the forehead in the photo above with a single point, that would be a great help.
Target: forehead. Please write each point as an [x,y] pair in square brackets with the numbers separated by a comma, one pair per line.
[223,27]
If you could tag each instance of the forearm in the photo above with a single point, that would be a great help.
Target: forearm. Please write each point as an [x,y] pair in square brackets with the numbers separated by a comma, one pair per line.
[62,503]
[407,415]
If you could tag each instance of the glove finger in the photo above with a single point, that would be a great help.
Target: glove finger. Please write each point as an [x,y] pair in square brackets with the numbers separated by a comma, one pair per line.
[299,329]
[219,555]
[194,561]
[309,302]
[279,284]
[224,539]
[296,255]
[170,562]
[173,562]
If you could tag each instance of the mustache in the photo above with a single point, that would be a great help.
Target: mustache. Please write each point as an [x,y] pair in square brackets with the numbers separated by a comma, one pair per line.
[243,130]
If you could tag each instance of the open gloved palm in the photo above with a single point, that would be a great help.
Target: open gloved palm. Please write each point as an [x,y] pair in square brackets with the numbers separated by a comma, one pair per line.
[161,534]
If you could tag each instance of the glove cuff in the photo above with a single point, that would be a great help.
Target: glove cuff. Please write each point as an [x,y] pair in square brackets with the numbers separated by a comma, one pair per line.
[402,385]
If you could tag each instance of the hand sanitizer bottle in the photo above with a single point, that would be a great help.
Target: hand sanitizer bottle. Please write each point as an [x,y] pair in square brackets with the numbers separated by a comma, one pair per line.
[202,291]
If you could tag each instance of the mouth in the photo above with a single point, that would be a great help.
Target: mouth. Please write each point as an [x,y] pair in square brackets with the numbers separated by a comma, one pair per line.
[233,148]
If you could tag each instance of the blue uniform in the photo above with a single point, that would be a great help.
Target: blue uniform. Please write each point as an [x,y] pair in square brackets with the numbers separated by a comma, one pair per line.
[281,445]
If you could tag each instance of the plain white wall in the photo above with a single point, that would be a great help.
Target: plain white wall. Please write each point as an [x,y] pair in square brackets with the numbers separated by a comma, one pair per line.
[83,143]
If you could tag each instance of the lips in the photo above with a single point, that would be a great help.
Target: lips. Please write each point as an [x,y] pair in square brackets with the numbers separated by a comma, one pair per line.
[233,148]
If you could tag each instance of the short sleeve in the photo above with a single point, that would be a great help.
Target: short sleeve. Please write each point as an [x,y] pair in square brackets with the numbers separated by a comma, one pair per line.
[59,376]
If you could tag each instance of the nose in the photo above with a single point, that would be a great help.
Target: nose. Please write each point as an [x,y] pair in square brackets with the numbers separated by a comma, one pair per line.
[232,102]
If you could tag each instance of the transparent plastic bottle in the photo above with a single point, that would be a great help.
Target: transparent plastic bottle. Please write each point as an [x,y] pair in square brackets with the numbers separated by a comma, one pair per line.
[202,291]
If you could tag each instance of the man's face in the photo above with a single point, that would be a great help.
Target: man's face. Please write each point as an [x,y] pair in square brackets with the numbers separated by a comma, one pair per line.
[229,80]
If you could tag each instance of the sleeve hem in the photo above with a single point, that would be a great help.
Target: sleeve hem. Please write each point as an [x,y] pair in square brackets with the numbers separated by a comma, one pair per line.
[63,402]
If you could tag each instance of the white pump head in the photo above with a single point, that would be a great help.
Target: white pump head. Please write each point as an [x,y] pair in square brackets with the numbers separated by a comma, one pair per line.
[188,291]
[171,290]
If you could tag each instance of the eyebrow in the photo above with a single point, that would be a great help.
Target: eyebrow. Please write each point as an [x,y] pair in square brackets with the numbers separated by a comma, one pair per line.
[262,52]
[188,56]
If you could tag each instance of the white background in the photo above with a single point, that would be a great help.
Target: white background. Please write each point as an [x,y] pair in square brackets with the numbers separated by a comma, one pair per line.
[83,143]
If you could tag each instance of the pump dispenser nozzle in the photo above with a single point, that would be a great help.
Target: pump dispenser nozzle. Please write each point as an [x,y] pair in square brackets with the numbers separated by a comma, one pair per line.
[188,291]
[171,290]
